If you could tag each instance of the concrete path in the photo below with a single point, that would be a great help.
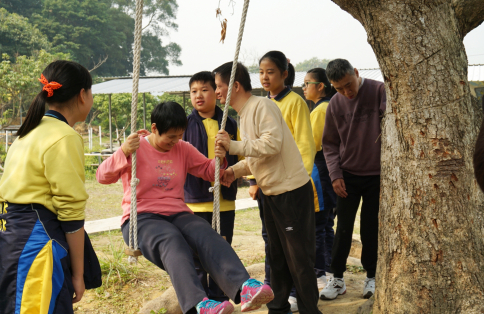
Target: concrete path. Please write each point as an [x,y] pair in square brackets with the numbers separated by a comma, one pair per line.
[96,226]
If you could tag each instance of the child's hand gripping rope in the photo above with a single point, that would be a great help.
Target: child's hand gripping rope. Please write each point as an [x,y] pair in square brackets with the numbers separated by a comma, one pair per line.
[132,142]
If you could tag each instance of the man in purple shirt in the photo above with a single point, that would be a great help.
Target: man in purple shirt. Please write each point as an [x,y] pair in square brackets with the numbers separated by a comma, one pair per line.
[352,147]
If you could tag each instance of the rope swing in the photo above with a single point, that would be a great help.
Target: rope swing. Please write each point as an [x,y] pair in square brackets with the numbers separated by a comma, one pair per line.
[216,186]
[133,250]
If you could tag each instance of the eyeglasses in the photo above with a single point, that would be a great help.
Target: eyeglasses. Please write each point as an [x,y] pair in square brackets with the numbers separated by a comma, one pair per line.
[306,84]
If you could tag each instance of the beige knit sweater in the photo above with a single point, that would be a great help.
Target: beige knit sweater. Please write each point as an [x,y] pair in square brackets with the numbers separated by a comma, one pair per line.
[271,153]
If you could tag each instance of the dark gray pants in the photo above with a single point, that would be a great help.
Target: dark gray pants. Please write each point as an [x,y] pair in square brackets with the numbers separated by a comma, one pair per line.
[227,220]
[289,221]
[357,187]
[169,243]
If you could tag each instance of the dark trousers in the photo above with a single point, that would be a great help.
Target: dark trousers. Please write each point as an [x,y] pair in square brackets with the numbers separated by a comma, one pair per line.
[329,197]
[328,239]
[169,243]
[289,220]
[227,219]
[321,219]
[357,187]
[324,222]
[260,202]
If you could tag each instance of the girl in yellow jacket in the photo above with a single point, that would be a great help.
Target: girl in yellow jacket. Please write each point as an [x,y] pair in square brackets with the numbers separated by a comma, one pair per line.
[42,200]
[318,89]
[277,75]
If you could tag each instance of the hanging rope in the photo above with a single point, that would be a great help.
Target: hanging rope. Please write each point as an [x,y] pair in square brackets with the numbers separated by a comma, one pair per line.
[216,186]
[133,250]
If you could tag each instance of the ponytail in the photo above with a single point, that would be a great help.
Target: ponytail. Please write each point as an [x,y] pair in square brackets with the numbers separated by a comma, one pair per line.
[62,81]
[291,75]
[34,115]
[282,64]
[330,91]
[319,75]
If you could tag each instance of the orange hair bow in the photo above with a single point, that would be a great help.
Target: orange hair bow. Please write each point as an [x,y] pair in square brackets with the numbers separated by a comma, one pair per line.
[49,87]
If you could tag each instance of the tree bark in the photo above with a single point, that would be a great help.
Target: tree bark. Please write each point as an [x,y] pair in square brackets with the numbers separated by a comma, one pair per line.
[431,234]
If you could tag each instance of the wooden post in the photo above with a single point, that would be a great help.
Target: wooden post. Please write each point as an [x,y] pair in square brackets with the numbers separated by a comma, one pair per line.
[20,109]
[100,137]
[184,102]
[110,127]
[144,112]
[90,138]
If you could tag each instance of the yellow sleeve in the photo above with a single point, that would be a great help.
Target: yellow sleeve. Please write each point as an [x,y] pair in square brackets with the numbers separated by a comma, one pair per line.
[64,170]
[303,134]
[318,117]
[239,139]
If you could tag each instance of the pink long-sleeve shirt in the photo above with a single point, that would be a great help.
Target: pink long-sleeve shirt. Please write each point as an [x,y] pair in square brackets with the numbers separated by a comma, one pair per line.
[161,175]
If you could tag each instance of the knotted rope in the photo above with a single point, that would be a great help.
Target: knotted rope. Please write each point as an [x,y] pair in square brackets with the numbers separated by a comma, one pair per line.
[216,186]
[133,216]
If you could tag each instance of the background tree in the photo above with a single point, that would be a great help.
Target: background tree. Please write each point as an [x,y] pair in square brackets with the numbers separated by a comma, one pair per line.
[120,110]
[18,36]
[19,83]
[22,7]
[312,63]
[92,31]
[431,249]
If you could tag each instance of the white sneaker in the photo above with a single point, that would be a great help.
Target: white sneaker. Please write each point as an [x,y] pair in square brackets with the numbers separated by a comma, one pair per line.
[335,287]
[329,275]
[322,282]
[369,288]
[293,303]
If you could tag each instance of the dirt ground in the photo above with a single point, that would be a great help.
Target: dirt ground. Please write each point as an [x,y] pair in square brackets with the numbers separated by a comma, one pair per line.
[249,244]
[126,288]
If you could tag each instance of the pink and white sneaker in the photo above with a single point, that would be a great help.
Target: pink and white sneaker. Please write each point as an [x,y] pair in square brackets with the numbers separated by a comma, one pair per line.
[208,306]
[254,294]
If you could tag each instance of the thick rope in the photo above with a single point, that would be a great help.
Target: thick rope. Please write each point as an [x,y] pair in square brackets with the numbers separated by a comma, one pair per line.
[133,216]
[216,187]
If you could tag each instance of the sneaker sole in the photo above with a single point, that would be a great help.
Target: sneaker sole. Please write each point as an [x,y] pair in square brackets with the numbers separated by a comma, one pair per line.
[264,296]
[323,297]
[227,309]
[368,295]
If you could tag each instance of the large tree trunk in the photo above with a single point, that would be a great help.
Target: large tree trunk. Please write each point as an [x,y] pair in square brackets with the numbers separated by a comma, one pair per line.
[431,237]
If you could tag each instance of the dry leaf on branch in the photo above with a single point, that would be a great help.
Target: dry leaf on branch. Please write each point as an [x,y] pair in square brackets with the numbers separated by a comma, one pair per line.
[224,30]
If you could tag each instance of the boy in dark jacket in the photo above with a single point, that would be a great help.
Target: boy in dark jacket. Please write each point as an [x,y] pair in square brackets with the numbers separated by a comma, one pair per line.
[203,125]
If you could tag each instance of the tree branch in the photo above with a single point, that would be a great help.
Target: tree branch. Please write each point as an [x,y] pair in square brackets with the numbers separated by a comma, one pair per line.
[151,19]
[470,14]
[99,63]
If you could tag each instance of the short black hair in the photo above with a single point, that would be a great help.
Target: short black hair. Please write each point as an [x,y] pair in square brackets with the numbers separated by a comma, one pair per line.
[205,77]
[241,74]
[169,115]
[339,68]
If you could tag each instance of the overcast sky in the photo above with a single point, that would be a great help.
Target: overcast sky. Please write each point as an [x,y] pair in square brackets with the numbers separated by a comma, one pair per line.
[300,29]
